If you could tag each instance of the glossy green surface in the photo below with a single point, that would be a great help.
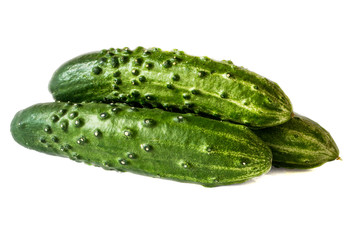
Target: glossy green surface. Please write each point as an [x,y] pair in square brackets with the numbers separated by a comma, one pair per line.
[151,142]
[299,143]
[173,81]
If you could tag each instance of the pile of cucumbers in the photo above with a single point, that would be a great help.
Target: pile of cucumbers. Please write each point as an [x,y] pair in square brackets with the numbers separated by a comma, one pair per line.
[170,115]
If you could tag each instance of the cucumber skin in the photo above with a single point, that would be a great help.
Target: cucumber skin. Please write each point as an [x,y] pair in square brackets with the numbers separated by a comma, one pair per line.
[173,81]
[299,143]
[181,147]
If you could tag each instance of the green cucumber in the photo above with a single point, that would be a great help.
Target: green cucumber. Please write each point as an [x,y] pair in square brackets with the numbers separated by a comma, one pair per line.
[299,143]
[173,81]
[152,142]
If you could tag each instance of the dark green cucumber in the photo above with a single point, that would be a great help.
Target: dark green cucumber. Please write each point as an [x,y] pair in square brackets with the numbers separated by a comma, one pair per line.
[172,81]
[153,142]
[299,143]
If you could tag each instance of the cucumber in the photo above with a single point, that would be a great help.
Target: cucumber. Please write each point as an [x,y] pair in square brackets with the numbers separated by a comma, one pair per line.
[152,142]
[175,82]
[299,143]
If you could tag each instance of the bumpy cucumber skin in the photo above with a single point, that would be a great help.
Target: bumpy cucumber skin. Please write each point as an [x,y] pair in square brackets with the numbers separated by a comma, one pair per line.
[152,142]
[299,143]
[173,81]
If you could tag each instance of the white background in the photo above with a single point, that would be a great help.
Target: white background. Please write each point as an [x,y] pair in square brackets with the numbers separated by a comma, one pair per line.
[310,48]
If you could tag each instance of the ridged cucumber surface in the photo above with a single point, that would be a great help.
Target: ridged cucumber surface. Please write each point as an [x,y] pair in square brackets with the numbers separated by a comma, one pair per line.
[299,143]
[152,142]
[173,81]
